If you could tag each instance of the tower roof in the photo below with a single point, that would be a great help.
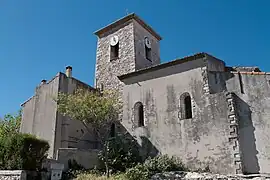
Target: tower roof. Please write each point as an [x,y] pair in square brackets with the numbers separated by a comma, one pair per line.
[126,19]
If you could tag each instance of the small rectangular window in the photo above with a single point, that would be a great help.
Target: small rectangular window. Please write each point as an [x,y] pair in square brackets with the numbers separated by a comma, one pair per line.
[148,53]
[114,52]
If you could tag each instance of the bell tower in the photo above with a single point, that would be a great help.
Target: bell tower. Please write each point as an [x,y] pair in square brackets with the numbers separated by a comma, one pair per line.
[125,46]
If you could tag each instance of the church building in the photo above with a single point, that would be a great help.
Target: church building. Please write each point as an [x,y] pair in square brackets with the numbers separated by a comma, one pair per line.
[195,107]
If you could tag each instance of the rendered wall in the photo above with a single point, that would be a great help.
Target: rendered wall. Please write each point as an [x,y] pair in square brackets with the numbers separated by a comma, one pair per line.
[39,114]
[253,108]
[87,158]
[139,34]
[40,117]
[73,133]
[200,141]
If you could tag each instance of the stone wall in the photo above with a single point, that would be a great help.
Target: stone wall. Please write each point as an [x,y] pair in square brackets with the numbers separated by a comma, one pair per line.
[207,176]
[13,175]
[107,70]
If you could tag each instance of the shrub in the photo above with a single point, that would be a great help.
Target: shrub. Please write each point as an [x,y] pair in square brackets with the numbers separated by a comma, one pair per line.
[22,151]
[155,165]
[123,153]
[164,163]
[138,172]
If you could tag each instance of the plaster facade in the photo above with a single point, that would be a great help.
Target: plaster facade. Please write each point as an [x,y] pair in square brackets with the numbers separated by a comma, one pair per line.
[195,107]
[220,134]
[40,117]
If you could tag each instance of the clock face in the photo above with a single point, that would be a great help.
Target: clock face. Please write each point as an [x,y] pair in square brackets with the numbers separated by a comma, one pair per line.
[147,42]
[114,40]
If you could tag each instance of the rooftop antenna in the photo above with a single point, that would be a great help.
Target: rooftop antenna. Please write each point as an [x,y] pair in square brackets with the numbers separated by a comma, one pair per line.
[127,11]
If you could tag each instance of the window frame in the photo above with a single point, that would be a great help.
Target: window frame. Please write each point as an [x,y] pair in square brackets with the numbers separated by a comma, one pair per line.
[183,106]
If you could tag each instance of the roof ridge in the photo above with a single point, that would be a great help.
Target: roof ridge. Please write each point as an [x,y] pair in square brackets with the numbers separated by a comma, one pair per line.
[170,63]
[126,19]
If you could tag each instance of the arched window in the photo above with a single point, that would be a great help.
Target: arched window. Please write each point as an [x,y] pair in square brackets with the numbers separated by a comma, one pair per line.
[114,52]
[186,106]
[112,132]
[139,114]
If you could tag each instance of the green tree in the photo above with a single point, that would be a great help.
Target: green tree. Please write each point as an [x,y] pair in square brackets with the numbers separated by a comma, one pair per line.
[10,124]
[92,108]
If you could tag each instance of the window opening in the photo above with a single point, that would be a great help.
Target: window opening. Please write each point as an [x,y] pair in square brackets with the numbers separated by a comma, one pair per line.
[139,114]
[115,51]
[188,107]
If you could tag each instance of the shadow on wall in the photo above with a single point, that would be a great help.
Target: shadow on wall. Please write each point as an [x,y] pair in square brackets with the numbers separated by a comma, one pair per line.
[146,148]
[247,139]
[122,142]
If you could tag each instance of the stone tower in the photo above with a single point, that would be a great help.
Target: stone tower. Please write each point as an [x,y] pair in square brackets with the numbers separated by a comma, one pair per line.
[124,46]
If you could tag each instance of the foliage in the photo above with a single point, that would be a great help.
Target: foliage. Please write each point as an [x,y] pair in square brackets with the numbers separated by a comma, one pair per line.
[138,172]
[123,153]
[92,108]
[22,151]
[204,170]
[155,165]
[91,176]
[10,124]
[74,169]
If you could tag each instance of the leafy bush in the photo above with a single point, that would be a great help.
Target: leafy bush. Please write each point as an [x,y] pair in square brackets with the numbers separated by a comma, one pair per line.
[138,172]
[155,165]
[123,153]
[22,151]
[164,163]
[10,124]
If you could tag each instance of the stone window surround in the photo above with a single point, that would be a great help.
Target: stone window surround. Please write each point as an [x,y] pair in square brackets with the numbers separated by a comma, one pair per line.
[139,118]
[182,112]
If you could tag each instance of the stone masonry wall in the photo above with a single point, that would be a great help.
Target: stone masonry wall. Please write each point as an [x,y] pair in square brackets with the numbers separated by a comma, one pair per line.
[234,129]
[13,175]
[107,70]
[207,176]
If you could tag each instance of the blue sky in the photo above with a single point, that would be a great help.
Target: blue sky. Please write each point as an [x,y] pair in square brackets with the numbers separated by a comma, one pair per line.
[38,38]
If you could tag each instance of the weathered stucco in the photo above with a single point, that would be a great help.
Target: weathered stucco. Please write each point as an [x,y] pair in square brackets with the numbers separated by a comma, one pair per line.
[87,158]
[139,34]
[40,117]
[199,141]
[253,108]
[39,113]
